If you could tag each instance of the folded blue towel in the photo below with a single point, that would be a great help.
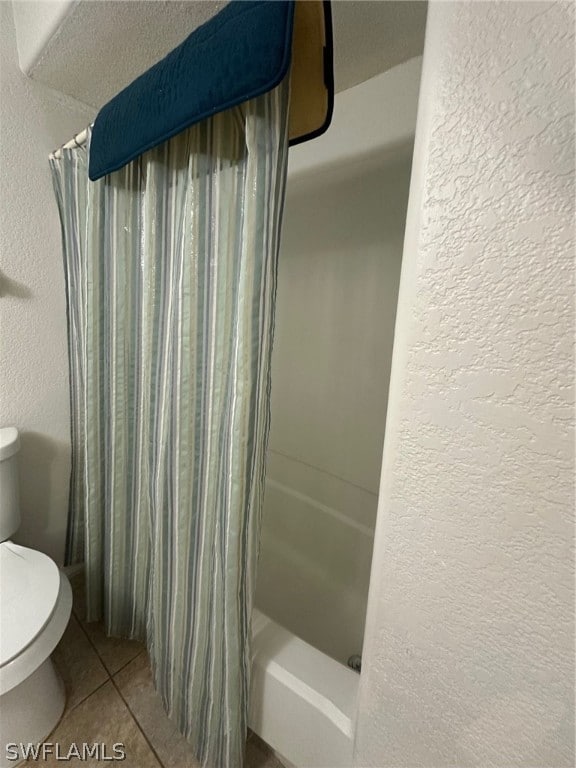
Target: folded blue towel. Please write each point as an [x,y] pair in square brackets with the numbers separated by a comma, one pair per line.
[242,52]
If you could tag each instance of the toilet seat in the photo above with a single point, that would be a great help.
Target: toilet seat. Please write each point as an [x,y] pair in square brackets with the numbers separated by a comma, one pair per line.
[36,604]
[29,584]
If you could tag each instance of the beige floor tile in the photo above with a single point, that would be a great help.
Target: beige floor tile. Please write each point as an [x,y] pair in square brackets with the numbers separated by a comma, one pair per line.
[114,652]
[128,663]
[78,664]
[102,718]
[135,684]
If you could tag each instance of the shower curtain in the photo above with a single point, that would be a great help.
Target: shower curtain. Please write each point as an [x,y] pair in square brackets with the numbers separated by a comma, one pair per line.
[170,268]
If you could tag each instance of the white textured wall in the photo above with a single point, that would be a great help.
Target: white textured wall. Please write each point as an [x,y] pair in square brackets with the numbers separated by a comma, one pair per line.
[469,649]
[33,353]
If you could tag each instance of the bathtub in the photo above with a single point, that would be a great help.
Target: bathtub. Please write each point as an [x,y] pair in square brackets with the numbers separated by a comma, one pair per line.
[338,281]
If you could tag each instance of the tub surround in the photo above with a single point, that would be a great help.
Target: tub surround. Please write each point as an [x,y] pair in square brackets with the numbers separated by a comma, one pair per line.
[339,265]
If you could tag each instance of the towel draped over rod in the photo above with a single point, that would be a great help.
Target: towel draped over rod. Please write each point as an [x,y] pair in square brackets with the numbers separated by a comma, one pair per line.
[243,51]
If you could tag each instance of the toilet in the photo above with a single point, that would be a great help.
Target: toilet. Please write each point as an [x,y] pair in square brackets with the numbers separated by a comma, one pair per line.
[35,605]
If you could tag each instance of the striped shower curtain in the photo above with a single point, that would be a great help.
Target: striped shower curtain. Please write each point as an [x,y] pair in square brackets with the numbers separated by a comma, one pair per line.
[170,268]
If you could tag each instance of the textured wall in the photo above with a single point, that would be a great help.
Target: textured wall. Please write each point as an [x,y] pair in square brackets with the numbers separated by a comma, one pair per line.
[33,356]
[469,650]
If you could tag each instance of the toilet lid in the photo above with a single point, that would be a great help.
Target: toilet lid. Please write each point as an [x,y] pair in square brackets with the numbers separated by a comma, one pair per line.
[29,586]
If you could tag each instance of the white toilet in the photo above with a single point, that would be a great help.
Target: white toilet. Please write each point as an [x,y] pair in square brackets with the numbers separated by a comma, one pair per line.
[35,605]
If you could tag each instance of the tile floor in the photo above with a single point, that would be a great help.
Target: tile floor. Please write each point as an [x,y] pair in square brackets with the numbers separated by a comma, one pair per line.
[110,698]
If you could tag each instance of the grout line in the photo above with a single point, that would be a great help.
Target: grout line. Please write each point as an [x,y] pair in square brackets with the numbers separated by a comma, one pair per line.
[73,707]
[110,673]
[97,652]
[62,718]
[133,716]
[87,636]
[113,674]
[110,679]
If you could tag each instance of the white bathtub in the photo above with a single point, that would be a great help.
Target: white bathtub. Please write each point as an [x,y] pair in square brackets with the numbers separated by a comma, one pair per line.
[337,292]
[302,701]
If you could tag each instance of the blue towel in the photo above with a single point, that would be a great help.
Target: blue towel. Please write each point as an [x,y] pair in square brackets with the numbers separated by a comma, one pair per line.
[242,52]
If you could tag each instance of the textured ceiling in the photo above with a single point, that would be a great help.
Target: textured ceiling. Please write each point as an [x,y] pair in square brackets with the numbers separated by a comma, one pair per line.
[99,46]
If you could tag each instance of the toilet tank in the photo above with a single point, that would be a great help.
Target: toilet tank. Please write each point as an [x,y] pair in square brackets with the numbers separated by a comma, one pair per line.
[9,494]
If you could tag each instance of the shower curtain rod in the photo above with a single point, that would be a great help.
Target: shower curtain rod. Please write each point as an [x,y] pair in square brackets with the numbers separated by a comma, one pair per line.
[76,141]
